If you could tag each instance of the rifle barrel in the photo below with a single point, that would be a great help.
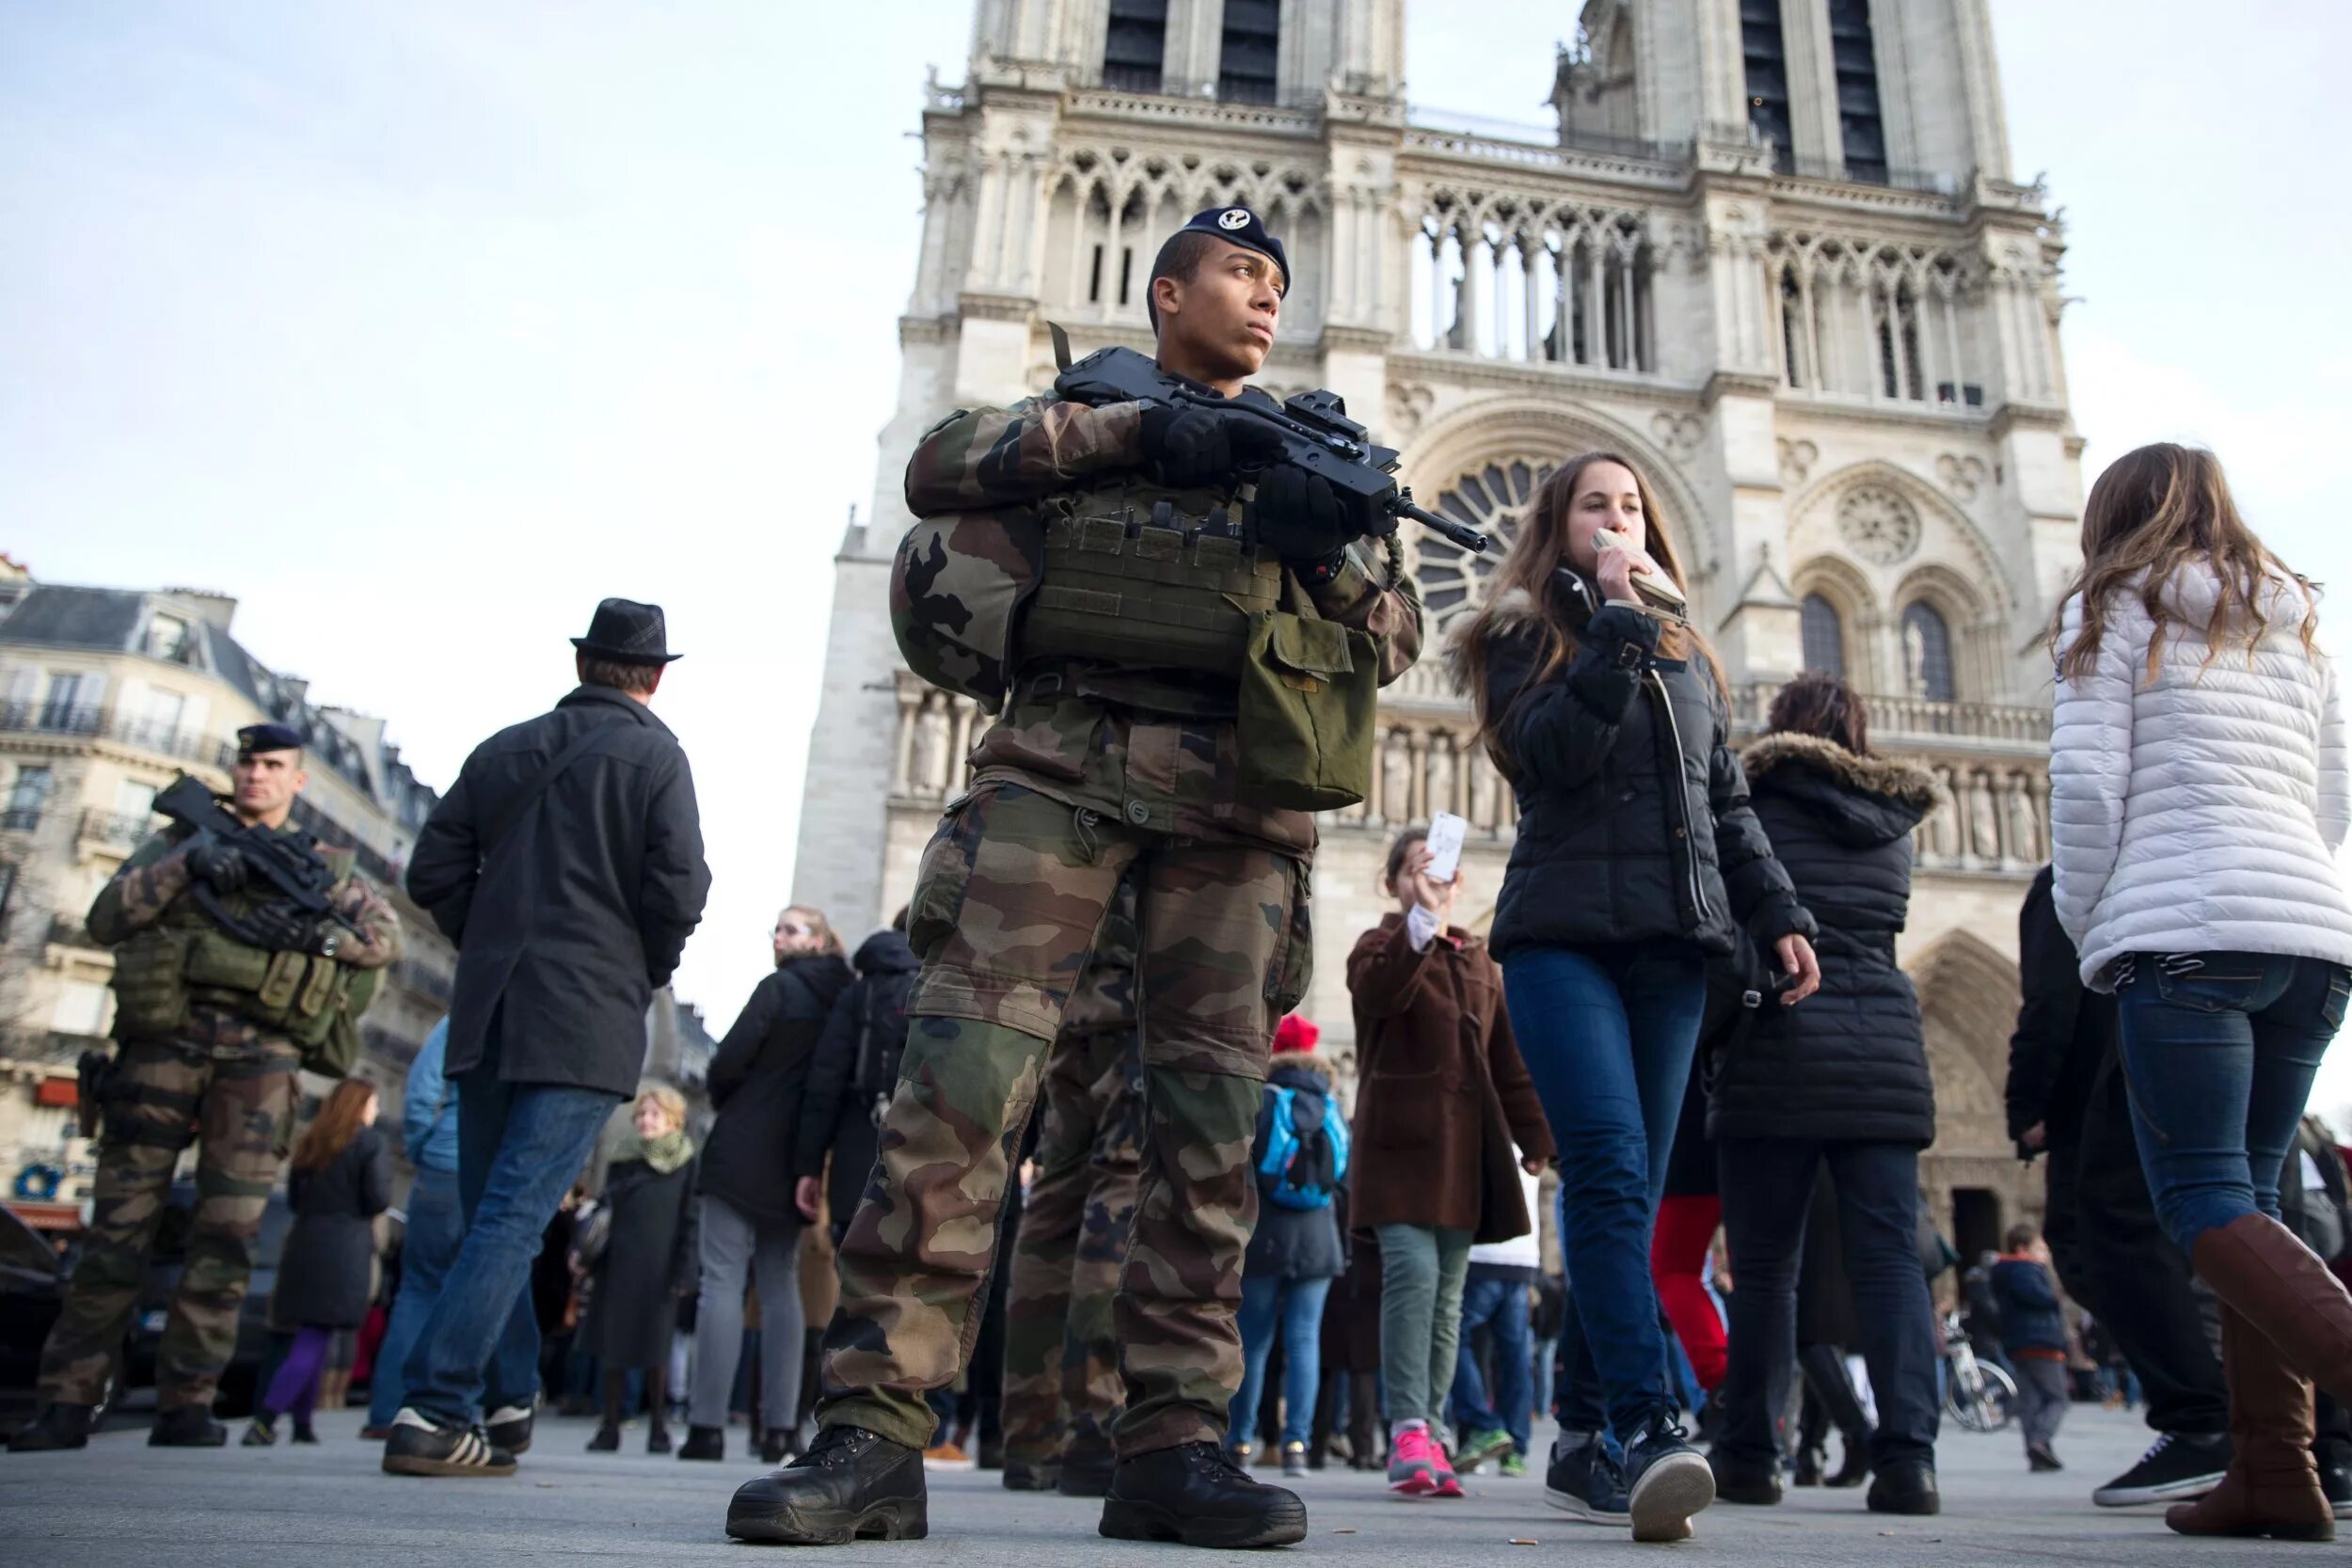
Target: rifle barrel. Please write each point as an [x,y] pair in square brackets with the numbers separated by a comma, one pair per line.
[1461,534]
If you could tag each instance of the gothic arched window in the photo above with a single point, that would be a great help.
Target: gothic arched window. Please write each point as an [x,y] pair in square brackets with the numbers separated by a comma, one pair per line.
[1824,635]
[1927,653]
[1492,500]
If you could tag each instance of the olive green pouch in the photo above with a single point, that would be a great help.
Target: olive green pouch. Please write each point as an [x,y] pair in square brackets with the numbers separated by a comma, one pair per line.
[1309,692]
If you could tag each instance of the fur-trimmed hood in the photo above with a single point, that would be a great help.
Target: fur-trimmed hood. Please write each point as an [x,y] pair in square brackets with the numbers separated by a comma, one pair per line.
[1312,1063]
[1513,612]
[1866,799]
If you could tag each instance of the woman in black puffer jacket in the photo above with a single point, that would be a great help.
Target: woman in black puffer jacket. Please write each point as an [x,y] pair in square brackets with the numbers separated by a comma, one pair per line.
[1843,1079]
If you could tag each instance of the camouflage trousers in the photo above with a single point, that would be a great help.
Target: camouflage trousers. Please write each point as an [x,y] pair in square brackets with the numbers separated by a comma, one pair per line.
[236,1101]
[1062,1344]
[1011,895]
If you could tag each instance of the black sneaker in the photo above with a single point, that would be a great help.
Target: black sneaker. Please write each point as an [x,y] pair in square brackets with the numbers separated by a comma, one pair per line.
[1022,1476]
[191,1426]
[2177,1467]
[853,1484]
[509,1427]
[58,1426]
[420,1446]
[1087,1467]
[1583,1482]
[1906,1486]
[1740,1481]
[1194,1494]
[263,1432]
[1667,1480]
[704,1443]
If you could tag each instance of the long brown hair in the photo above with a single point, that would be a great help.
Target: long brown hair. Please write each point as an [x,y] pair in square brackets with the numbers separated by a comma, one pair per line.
[1820,703]
[1538,549]
[2155,510]
[338,1122]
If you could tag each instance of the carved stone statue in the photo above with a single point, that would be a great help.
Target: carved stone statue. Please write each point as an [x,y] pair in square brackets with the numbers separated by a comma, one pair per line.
[1485,785]
[1440,774]
[1396,779]
[2025,826]
[1914,659]
[1942,824]
[929,768]
[1983,824]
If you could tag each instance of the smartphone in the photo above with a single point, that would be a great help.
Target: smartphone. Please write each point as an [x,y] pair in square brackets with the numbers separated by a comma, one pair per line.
[1445,846]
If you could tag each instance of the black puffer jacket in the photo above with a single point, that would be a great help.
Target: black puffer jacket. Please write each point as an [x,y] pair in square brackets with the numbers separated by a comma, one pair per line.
[1849,1061]
[757,1080]
[1633,814]
[856,1062]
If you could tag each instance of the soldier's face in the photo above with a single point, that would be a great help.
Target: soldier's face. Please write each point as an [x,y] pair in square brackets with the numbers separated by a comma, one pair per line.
[264,785]
[1226,312]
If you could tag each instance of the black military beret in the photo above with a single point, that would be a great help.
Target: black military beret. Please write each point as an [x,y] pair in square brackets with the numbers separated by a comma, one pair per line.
[1237,225]
[268,738]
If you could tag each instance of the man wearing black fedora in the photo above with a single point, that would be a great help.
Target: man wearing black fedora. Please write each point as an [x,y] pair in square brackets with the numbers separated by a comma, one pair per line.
[567,864]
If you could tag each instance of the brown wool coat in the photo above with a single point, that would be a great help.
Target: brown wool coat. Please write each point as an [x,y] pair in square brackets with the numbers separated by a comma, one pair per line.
[1443,1094]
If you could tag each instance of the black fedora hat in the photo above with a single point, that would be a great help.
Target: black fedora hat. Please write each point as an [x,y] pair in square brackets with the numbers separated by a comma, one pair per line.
[627,631]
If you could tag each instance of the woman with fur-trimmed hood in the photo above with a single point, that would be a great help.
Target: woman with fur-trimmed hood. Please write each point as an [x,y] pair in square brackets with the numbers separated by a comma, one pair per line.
[1842,1080]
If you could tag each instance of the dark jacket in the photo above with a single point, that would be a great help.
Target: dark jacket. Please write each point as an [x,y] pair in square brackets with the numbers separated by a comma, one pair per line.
[324,1275]
[567,927]
[1848,1062]
[2064,1030]
[1633,814]
[852,1065]
[650,1261]
[2025,1293]
[1293,1243]
[757,1080]
[1441,1093]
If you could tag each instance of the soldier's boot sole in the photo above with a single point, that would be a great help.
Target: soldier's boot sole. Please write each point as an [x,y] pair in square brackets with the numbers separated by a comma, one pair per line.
[1282,1525]
[894,1519]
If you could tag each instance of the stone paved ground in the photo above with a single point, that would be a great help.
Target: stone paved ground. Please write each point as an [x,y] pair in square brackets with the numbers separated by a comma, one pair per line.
[120,1503]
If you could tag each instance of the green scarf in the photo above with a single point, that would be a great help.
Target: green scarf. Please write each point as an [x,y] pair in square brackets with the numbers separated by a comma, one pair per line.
[664,1153]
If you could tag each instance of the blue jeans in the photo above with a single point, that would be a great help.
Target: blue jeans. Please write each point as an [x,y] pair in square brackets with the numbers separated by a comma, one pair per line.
[2218,1051]
[520,1149]
[1608,1033]
[428,1246]
[1501,1305]
[1298,1306]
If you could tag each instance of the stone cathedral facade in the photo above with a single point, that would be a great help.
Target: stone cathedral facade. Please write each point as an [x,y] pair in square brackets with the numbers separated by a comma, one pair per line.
[1770,249]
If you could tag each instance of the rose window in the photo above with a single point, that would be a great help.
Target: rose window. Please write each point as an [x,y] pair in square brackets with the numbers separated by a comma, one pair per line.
[1492,500]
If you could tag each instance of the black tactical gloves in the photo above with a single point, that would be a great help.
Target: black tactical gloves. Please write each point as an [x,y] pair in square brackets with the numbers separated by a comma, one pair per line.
[281,928]
[1307,521]
[219,866]
[1204,446]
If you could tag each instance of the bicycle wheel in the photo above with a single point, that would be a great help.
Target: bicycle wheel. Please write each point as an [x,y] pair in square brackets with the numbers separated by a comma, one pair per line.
[1999,1399]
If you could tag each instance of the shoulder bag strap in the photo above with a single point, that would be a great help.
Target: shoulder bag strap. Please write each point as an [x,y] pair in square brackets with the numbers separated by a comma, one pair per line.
[529,796]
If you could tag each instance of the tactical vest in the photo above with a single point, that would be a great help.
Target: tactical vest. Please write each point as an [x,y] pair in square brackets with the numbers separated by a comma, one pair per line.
[1137,573]
[183,960]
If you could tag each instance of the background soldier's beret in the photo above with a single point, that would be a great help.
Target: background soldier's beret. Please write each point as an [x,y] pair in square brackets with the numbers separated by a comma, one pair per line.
[268,738]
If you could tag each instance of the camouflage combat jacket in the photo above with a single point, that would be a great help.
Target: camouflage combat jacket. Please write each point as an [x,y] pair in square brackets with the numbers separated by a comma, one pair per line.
[1156,750]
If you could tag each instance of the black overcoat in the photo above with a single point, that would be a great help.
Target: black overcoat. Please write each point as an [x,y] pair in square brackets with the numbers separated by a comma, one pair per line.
[649,1260]
[1848,1062]
[327,1272]
[758,1082]
[567,927]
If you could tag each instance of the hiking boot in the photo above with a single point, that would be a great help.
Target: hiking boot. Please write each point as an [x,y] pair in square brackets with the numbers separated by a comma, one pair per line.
[2177,1467]
[853,1484]
[607,1440]
[1022,1476]
[420,1446]
[58,1426]
[509,1427]
[1087,1468]
[1195,1495]
[1754,1483]
[1413,1464]
[261,1434]
[704,1443]
[190,1426]
[781,1445]
[946,1452]
[1583,1482]
[1907,1486]
[1293,1459]
[1667,1480]
[1479,1446]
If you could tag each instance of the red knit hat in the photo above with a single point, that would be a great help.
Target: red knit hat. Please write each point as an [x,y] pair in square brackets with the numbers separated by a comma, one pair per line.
[1295,1034]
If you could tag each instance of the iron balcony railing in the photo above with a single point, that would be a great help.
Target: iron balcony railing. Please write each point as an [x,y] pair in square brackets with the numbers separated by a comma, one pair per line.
[1917,718]
[116,830]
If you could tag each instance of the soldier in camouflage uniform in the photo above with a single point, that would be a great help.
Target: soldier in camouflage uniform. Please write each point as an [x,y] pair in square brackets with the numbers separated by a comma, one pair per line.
[1063,1389]
[1094,771]
[221,1074]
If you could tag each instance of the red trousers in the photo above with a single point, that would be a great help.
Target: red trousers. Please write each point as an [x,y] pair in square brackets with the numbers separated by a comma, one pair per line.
[1678,1262]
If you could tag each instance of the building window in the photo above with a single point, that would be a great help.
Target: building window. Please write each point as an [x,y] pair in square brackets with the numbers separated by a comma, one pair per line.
[1824,636]
[1928,653]
[1494,500]
[1134,43]
[1253,35]
[1767,59]
[167,639]
[1860,130]
[61,705]
[26,797]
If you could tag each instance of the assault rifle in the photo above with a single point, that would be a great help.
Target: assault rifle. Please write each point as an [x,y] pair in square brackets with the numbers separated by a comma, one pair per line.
[1316,433]
[291,866]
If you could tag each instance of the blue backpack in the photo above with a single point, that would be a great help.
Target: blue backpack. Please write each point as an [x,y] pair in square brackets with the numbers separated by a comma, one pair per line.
[1305,1149]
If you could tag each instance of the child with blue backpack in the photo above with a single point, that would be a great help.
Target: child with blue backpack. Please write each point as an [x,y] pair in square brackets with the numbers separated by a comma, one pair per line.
[1300,1156]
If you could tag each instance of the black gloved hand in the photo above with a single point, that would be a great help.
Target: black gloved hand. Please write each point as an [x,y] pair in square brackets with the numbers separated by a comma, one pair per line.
[1204,446]
[1301,517]
[283,928]
[219,866]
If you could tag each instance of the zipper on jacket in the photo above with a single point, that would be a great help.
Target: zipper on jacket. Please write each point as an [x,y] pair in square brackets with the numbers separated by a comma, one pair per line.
[1682,793]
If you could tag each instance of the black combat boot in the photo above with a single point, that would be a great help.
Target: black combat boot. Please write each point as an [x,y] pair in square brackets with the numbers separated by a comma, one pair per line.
[1087,1464]
[1194,1494]
[851,1484]
[58,1426]
[190,1426]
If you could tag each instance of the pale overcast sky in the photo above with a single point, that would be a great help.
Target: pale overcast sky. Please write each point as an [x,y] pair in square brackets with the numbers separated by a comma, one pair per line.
[418,327]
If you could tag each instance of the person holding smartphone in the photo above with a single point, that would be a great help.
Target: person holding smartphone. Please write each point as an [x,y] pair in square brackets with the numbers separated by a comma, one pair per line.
[1442,1098]
[1637,858]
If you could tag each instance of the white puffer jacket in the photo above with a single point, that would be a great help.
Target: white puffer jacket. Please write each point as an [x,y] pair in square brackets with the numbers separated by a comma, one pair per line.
[2199,811]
